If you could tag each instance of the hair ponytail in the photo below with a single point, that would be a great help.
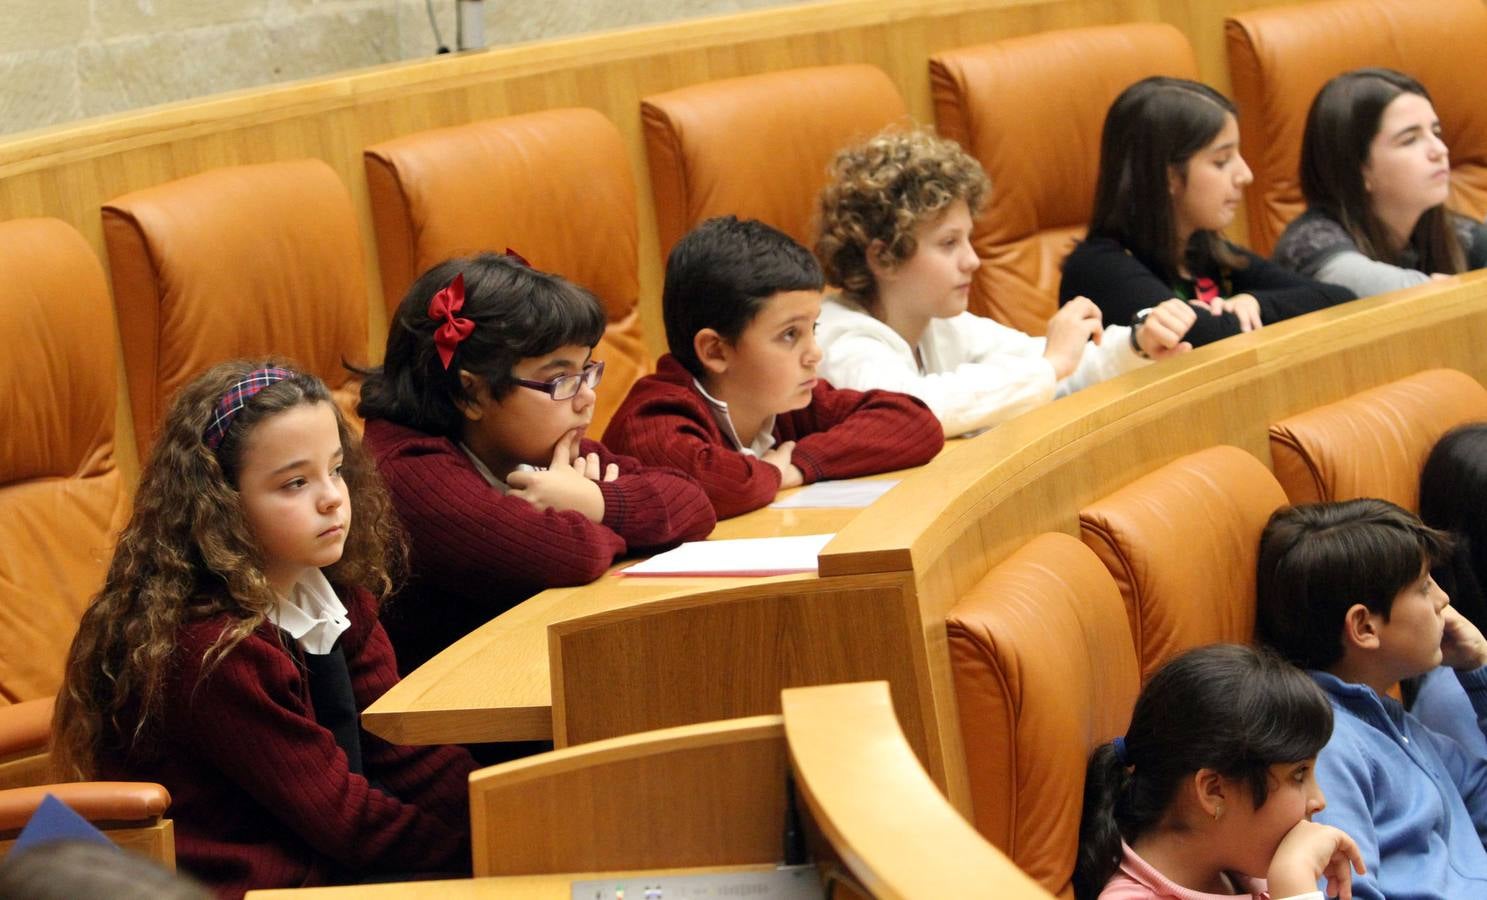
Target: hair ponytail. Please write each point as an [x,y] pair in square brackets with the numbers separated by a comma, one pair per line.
[1106,779]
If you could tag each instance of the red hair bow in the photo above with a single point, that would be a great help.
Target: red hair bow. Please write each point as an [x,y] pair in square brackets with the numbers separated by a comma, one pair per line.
[445,304]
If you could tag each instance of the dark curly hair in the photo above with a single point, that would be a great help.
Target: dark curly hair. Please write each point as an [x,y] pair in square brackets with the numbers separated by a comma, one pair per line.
[187,554]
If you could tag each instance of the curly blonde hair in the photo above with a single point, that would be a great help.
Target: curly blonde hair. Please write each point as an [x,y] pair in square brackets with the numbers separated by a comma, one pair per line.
[884,189]
[187,554]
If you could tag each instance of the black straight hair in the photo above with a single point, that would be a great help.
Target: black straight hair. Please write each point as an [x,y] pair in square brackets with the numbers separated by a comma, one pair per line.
[1234,709]
[1341,125]
[1155,126]
[1453,498]
[721,274]
[1318,560]
[518,312]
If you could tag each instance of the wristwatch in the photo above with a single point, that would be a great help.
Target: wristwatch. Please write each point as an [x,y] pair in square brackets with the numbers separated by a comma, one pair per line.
[1137,321]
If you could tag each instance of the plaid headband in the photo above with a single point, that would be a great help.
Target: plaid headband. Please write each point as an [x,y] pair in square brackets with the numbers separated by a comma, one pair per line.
[236,398]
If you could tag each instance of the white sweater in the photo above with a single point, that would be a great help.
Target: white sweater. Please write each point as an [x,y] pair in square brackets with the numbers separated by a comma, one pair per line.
[977,373]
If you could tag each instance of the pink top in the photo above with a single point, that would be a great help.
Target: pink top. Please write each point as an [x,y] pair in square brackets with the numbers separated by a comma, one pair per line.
[1137,880]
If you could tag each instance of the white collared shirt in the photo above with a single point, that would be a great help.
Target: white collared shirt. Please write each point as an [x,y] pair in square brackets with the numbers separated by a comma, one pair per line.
[489,476]
[763,441]
[312,613]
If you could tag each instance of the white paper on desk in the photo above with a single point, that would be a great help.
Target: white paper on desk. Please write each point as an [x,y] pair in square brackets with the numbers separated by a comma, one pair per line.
[836,495]
[743,556]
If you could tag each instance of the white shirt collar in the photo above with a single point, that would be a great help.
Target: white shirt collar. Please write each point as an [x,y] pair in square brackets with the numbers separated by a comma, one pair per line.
[763,441]
[312,613]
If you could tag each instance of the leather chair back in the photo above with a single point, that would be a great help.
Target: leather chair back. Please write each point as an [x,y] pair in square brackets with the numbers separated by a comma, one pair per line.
[62,497]
[758,147]
[554,186]
[1044,672]
[1182,543]
[1374,443]
[245,261]
[1031,110]
[1280,57]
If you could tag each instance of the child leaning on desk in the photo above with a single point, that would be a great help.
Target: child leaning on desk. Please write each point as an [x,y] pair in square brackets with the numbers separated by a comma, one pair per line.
[737,403]
[476,419]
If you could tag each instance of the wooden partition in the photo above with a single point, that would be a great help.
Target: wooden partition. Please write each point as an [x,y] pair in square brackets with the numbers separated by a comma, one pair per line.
[952,522]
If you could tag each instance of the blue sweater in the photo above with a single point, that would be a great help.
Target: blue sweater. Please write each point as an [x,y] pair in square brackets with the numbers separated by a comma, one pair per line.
[1414,800]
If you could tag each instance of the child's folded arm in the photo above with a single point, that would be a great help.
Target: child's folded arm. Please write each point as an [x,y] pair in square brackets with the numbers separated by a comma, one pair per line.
[661,432]
[652,506]
[462,528]
[845,433]
[249,718]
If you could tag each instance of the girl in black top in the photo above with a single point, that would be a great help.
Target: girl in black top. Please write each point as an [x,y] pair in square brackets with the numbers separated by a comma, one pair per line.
[1171,178]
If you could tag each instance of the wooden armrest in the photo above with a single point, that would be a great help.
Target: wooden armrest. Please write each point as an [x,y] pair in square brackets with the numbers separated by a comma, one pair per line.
[25,727]
[96,801]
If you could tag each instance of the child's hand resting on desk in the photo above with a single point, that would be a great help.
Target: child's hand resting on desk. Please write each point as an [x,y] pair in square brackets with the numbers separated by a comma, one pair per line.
[1074,325]
[1307,853]
[571,481]
[779,457]
[1160,333]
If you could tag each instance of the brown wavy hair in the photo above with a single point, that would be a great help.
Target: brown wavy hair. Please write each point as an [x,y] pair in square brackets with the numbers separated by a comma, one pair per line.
[883,190]
[187,554]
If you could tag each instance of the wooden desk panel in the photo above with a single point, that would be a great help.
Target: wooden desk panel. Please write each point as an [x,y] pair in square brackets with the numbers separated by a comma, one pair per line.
[495,684]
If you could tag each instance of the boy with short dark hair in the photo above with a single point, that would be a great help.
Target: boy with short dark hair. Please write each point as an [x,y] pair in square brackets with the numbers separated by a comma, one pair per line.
[737,403]
[1344,590]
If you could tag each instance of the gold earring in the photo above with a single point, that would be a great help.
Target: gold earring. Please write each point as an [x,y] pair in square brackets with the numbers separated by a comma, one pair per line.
[1218,811]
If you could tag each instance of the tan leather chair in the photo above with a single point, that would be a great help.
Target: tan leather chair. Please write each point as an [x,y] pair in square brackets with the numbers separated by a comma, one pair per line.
[555,186]
[758,147]
[1044,672]
[62,497]
[1182,544]
[131,814]
[1280,57]
[1374,443]
[235,262]
[1031,109]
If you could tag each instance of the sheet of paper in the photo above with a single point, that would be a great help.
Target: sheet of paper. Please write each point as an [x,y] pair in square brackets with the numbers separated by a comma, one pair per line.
[836,495]
[744,556]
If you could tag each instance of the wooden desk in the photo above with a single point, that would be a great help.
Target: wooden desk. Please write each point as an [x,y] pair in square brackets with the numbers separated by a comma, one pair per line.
[511,887]
[495,684]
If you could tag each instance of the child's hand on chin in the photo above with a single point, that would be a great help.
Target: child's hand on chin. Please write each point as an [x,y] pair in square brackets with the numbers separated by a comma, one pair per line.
[1462,645]
[1309,852]
[571,481]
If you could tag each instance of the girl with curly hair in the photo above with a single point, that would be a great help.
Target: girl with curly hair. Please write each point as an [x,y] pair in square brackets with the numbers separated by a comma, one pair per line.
[896,238]
[236,641]
[1171,178]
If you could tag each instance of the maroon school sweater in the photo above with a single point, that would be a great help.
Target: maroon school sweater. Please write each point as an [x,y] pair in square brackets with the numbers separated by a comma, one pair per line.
[841,434]
[262,796]
[476,552]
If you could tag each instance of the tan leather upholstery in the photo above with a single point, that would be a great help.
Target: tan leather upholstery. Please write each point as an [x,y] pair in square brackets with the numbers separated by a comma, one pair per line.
[758,147]
[25,726]
[242,261]
[114,801]
[1031,109]
[1374,443]
[62,497]
[1182,544]
[1044,672]
[1280,57]
[555,186]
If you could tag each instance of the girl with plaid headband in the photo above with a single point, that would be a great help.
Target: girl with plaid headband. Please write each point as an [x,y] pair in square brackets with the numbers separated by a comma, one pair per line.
[476,419]
[236,641]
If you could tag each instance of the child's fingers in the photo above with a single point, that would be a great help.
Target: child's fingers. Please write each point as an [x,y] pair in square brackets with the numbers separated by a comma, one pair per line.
[563,450]
[592,470]
[520,480]
[612,472]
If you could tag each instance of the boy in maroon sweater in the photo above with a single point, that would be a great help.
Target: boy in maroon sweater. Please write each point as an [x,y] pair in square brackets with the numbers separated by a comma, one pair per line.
[736,404]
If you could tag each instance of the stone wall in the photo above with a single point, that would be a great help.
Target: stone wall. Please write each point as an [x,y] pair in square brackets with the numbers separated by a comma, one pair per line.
[62,60]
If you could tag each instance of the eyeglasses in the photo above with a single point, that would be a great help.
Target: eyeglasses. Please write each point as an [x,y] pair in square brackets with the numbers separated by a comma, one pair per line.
[565,387]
